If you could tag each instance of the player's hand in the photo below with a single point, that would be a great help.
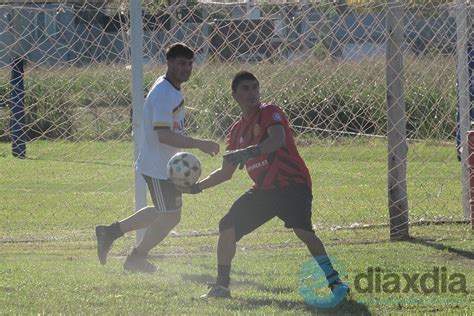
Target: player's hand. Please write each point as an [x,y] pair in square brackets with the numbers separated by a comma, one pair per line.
[193,189]
[209,147]
[240,156]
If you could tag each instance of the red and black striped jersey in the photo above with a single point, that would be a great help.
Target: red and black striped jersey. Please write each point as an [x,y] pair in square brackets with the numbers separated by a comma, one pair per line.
[277,169]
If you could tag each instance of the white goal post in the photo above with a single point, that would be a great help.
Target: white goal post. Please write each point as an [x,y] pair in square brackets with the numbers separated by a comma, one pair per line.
[136,40]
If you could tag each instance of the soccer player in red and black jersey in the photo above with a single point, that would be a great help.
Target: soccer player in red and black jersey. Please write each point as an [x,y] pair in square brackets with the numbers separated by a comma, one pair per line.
[262,141]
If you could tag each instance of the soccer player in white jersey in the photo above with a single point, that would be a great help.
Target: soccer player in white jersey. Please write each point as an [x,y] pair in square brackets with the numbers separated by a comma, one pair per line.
[163,136]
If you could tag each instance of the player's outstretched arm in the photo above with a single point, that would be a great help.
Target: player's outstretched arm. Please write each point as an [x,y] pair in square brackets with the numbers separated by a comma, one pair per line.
[208,146]
[216,177]
[168,137]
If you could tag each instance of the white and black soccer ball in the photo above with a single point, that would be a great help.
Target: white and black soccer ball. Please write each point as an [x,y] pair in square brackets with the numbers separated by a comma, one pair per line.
[184,169]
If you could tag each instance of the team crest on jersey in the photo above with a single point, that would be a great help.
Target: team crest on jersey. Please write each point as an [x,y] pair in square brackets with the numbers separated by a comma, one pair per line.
[276,116]
[256,130]
[178,126]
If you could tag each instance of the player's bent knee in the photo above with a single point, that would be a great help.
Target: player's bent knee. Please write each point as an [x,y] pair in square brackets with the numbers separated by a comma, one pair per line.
[226,222]
[304,235]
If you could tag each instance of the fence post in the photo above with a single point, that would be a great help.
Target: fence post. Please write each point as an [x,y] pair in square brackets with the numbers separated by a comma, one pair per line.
[396,124]
[463,97]
[470,161]
[470,134]
[17,119]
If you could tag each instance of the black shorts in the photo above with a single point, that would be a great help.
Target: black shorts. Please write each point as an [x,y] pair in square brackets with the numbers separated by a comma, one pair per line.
[164,195]
[254,208]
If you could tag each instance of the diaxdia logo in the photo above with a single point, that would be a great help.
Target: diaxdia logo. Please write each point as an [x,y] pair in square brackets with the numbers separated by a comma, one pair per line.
[438,280]
[314,284]
[388,287]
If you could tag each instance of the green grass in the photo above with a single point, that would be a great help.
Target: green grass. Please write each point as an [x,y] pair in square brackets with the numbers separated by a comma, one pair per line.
[50,202]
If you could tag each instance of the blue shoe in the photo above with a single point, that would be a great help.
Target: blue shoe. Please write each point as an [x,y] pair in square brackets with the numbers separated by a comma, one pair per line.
[340,288]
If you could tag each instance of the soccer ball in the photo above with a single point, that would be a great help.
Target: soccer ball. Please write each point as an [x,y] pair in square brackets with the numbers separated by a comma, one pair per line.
[184,169]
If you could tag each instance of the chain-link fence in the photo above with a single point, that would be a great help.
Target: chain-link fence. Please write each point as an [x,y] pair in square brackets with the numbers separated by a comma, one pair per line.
[323,62]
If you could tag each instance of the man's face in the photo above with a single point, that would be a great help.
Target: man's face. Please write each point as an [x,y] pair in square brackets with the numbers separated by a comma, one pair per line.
[180,68]
[247,94]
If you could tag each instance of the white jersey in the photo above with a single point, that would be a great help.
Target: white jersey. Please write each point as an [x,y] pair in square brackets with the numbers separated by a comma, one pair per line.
[164,107]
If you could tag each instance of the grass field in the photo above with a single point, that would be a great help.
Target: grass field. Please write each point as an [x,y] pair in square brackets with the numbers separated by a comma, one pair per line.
[50,202]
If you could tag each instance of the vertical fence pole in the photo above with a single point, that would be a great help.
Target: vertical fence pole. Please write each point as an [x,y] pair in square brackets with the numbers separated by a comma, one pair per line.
[136,46]
[17,120]
[470,134]
[463,97]
[396,124]
[470,161]
[470,57]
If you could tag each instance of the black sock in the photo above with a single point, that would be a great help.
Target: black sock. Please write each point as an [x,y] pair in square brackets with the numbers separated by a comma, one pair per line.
[223,275]
[114,230]
[326,265]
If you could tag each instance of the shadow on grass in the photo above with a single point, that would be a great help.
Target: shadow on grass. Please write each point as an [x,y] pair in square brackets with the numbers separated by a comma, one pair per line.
[208,279]
[200,278]
[438,246]
[346,307]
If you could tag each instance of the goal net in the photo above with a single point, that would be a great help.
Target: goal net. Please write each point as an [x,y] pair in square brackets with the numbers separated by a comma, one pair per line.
[323,62]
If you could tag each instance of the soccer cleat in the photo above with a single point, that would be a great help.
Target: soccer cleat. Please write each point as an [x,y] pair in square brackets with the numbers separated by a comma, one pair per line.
[339,287]
[104,243]
[137,263]
[217,291]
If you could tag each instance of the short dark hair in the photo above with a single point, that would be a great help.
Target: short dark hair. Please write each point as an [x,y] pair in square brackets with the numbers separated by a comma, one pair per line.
[241,76]
[179,50]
